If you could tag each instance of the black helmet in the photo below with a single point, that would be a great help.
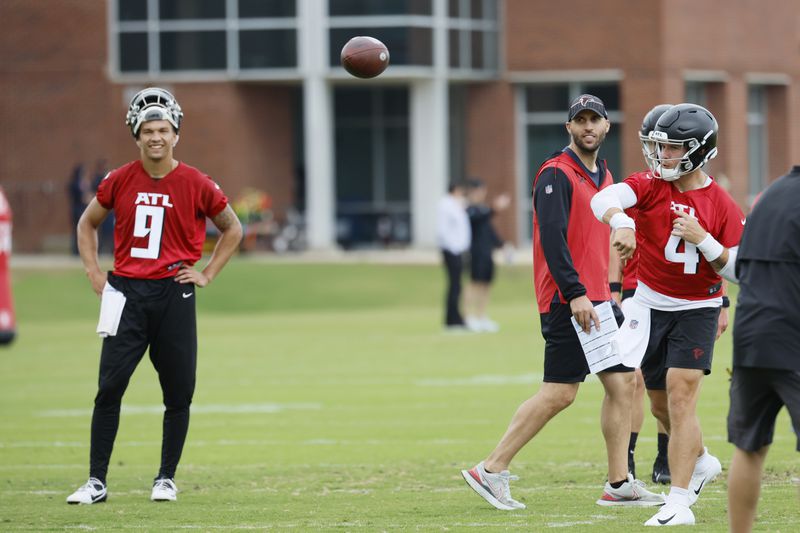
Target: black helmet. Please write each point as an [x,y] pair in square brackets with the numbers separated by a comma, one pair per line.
[691,126]
[648,125]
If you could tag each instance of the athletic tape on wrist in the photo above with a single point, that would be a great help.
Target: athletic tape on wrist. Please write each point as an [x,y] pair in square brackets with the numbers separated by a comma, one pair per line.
[621,220]
[710,248]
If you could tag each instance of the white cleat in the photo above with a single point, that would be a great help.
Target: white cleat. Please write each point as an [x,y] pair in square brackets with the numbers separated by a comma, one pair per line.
[164,490]
[94,491]
[492,487]
[672,515]
[632,493]
[706,470]
[490,326]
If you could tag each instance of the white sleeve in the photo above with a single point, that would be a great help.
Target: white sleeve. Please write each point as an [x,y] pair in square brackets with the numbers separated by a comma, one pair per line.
[619,195]
[729,270]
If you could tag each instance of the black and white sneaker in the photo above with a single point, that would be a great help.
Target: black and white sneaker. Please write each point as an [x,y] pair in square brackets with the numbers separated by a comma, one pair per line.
[94,491]
[661,471]
[164,490]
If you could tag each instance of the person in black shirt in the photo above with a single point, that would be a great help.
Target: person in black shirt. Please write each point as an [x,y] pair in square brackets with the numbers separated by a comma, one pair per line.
[766,341]
[484,241]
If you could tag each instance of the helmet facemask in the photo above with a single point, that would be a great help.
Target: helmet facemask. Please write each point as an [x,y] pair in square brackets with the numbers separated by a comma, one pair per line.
[693,159]
[153,104]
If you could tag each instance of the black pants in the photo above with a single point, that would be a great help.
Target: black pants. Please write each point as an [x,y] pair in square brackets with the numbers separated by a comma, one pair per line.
[159,314]
[452,264]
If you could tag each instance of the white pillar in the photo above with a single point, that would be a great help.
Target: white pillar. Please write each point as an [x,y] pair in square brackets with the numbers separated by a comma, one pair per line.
[430,147]
[317,123]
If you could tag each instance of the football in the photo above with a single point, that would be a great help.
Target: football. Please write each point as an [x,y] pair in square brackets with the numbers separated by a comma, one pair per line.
[365,57]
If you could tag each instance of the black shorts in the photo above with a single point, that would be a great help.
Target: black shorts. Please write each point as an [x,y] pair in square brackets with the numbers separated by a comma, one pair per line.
[481,268]
[679,339]
[757,394]
[564,361]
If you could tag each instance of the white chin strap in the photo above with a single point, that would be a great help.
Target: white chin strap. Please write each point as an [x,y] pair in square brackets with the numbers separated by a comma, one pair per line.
[666,174]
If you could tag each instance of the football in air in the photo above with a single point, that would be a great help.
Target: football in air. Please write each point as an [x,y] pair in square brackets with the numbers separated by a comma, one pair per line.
[365,57]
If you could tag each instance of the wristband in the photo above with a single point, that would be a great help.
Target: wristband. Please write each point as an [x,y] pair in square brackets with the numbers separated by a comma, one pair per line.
[615,286]
[710,248]
[621,220]
[726,302]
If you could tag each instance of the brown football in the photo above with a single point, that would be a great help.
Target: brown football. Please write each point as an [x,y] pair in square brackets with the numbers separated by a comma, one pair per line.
[365,57]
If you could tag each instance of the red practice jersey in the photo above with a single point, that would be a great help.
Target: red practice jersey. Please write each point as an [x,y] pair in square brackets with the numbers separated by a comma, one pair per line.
[160,223]
[668,264]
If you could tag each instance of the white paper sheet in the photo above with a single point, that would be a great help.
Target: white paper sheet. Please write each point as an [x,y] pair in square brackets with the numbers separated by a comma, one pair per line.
[600,347]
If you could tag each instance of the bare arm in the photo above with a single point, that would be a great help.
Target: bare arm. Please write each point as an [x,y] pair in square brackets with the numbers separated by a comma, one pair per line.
[230,236]
[90,220]
[615,266]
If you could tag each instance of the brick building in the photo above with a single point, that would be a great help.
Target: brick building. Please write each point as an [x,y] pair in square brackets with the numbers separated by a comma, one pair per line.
[476,88]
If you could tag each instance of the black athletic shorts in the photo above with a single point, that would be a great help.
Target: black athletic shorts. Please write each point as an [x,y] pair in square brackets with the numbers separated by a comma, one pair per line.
[564,361]
[757,394]
[481,268]
[679,339]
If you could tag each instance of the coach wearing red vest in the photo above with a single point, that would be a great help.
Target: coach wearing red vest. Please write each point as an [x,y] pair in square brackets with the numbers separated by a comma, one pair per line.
[570,265]
[148,300]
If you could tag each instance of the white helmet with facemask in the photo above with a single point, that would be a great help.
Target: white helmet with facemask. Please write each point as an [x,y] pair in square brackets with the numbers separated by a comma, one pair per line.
[153,103]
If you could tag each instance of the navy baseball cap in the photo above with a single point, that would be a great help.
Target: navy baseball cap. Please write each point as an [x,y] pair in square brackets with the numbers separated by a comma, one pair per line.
[587,101]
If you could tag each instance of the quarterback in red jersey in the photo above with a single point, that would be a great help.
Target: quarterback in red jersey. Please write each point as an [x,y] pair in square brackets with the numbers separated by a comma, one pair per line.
[148,301]
[687,229]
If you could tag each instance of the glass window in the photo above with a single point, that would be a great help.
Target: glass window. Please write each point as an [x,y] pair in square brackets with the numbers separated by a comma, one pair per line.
[372,165]
[380,7]
[454,8]
[407,45]
[193,50]
[547,97]
[191,9]
[132,10]
[476,9]
[695,93]
[756,138]
[267,8]
[397,164]
[133,52]
[607,92]
[454,48]
[267,49]
[478,61]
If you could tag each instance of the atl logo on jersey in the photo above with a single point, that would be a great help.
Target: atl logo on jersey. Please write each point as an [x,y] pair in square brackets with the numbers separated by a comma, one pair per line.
[153,198]
[689,210]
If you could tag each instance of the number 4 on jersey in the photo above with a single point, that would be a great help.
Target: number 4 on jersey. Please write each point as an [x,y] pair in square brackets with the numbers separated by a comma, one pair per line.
[689,257]
[149,222]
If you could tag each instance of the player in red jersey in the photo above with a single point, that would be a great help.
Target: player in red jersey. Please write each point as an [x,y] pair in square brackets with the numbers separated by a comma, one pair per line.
[688,231]
[622,282]
[161,206]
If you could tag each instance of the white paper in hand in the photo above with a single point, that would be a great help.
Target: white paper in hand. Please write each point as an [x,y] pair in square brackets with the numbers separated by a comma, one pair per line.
[600,347]
[111,306]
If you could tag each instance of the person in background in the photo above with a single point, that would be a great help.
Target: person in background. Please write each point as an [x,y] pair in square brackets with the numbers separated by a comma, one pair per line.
[105,236]
[454,236]
[484,241]
[80,194]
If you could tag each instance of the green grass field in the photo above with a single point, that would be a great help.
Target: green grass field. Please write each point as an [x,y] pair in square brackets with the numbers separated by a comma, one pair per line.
[328,398]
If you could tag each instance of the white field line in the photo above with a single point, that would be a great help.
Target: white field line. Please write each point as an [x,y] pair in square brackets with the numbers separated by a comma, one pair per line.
[242,408]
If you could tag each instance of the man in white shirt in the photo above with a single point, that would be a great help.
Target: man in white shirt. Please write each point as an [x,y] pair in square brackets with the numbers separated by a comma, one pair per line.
[454,236]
